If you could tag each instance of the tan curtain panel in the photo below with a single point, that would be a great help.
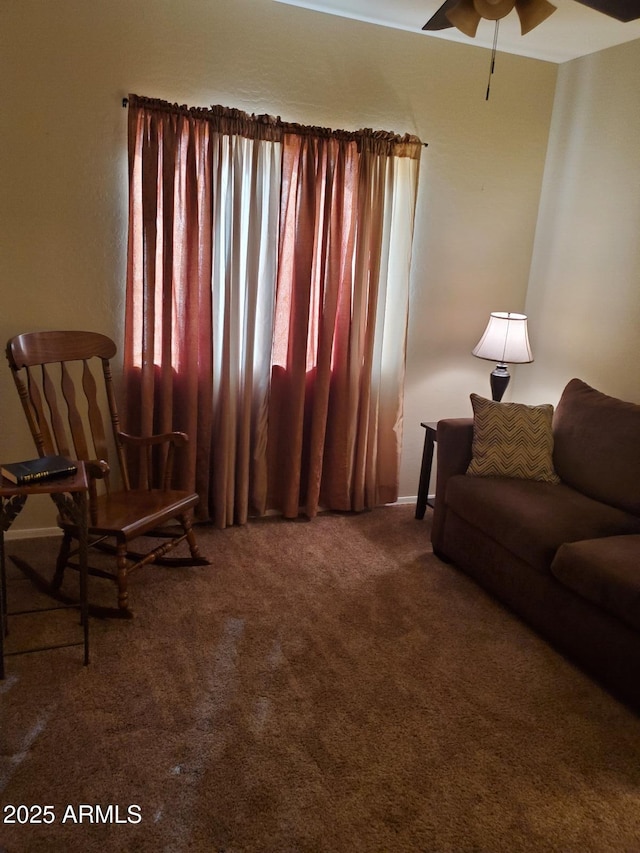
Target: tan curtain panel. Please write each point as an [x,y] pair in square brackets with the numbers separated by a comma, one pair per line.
[341,312]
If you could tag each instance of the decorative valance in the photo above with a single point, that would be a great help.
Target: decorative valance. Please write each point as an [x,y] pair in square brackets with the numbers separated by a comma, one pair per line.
[236,122]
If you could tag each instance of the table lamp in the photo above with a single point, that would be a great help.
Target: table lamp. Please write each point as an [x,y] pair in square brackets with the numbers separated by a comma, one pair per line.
[504,340]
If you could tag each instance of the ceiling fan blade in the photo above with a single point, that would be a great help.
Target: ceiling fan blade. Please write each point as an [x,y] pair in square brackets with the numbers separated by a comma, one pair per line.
[621,10]
[532,13]
[464,17]
[439,21]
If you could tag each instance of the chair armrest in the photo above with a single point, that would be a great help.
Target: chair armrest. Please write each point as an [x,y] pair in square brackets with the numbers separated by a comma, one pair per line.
[178,439]
[153,464]
[97,469]
[454,442]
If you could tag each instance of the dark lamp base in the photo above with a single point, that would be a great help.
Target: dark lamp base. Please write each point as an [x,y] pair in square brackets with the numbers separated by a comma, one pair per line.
[499,380]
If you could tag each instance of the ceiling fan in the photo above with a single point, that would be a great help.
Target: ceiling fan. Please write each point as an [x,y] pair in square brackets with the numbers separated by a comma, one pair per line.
[465,15]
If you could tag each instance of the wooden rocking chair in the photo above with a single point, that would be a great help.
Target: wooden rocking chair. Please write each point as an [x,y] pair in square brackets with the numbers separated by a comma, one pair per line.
[64,381]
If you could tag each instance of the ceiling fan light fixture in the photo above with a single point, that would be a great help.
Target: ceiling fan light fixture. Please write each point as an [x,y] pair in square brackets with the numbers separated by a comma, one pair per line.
[467,14]
[493,10]
[532,13]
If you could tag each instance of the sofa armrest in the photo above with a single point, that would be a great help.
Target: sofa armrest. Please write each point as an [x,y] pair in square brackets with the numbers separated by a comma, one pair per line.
[454,442]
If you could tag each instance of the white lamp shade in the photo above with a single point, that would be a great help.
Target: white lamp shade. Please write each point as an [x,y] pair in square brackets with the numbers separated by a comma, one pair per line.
[505,339]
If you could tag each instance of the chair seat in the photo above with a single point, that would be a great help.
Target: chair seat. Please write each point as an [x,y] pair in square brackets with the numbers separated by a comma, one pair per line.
[128,514]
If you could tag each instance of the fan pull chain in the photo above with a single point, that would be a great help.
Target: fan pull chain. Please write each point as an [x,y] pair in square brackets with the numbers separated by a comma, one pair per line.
[493,58]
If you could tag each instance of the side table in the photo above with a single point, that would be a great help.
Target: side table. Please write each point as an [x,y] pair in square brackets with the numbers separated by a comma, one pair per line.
[430,438]
[70,496]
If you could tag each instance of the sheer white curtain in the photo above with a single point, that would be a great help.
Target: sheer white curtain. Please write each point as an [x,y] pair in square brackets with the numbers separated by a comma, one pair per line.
[400,177]
[245,249]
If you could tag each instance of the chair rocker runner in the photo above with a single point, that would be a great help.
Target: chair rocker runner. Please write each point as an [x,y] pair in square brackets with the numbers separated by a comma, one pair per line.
[64,381]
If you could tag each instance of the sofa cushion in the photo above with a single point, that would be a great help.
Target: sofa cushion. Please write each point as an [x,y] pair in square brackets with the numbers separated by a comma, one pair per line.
[532,518]
[597,446]
[512,440]
[604,571]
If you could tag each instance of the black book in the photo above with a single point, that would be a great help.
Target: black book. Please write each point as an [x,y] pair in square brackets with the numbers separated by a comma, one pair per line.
[36,470]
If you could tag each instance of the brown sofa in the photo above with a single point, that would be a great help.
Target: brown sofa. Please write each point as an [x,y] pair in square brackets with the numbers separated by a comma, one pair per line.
[564,556]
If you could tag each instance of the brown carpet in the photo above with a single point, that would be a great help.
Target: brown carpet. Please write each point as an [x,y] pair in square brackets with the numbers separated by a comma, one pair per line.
[326,686]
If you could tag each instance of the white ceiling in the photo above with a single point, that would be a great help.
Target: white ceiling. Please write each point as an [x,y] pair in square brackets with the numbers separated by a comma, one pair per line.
[573,30]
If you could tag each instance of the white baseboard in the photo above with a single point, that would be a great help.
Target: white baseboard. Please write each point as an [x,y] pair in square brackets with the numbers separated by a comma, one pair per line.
[407,499]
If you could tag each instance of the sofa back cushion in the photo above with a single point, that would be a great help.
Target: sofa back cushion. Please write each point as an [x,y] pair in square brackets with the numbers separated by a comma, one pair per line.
[597,445]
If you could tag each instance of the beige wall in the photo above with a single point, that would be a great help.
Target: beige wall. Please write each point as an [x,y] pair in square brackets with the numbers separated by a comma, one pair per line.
[584,293]
[66,65]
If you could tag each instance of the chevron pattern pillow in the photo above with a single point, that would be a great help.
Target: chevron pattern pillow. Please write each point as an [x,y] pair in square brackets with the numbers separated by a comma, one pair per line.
[512,440]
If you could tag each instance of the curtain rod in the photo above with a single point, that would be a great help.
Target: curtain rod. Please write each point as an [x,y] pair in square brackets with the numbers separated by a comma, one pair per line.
[125,104]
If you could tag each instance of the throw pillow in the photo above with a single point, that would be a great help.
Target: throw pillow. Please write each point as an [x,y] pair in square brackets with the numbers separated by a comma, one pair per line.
[512,440]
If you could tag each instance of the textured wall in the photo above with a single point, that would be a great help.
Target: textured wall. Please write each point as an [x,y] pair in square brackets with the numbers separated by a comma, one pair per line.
[66,65]
[584,294]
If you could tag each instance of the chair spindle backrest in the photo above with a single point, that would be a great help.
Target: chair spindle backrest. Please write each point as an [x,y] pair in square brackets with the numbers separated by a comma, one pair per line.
[61,378]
